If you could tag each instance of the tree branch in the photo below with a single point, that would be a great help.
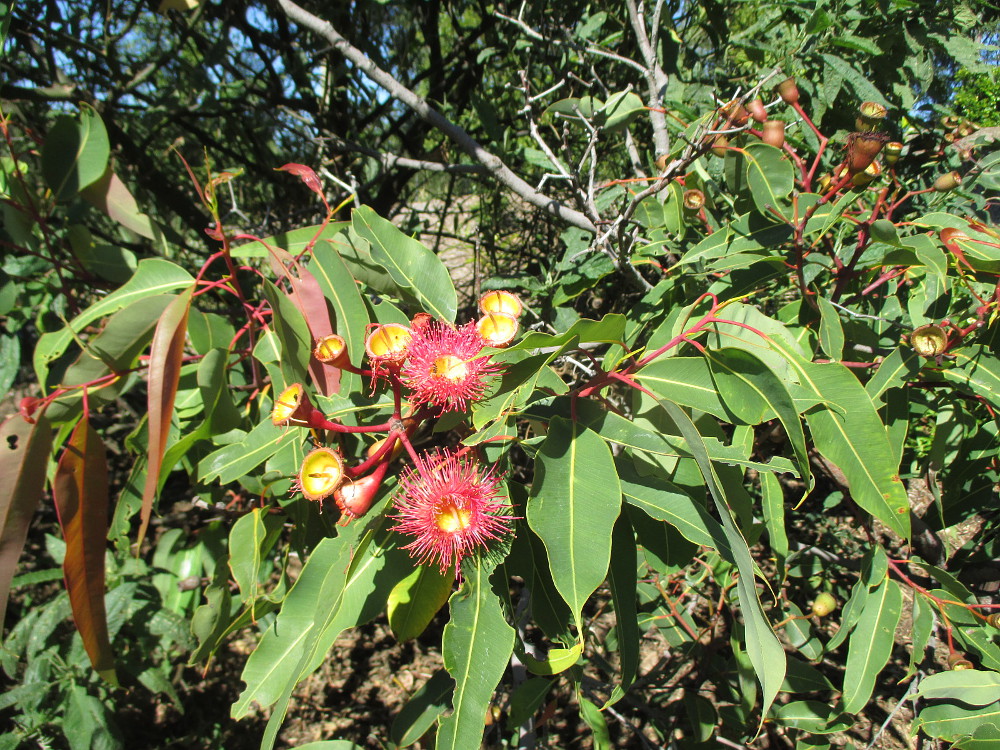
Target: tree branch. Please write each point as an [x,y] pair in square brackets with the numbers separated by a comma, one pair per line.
[493,164]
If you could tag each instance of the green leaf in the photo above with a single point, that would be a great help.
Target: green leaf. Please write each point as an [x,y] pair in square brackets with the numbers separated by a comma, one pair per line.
[527,699]
[75,154]
[411,265]
[592,715]
[574,502]
[422,709]
[763,648]
[293,333]
[978,369]
[250,540]
[831,331]
[153,276]
[810,716]
[609,329]
[339,286]
[857,442]
[686,381]
[622,581]
[773,506]
[620,110]
[901,366]
[742,377]
[664,501]
[871,644]
[770,177]
[952,720]
[231,462]
[972,686]
[416,599]
[477,644]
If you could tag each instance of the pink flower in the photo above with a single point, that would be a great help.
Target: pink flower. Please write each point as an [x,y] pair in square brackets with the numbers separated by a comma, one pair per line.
[444,367]
[450,508]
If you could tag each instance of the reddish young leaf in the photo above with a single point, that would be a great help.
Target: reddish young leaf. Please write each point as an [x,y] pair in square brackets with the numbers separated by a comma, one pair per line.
[306,175]
[80,491]
[24,457]
[110,195]
[165,359]
[307,296]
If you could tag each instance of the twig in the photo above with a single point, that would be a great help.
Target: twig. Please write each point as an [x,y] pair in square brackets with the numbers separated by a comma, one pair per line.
[493,163]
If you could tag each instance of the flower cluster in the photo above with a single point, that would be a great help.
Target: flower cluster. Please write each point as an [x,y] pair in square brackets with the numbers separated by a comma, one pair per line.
[448,504]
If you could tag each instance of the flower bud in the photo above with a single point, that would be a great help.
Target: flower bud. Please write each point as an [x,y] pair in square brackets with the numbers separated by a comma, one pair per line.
[929,340]
[500,301]
[355,498]
[720,145]
[387,343]
[735,113]
[862,148]
[892,152]
[397,449]
[420,321]
[824,604]
[498,329]
[291,406]
[993,620]
[870,116]
[321,474]
[774,133]
[332,350]
[947,181]
[788,91]
[757,110]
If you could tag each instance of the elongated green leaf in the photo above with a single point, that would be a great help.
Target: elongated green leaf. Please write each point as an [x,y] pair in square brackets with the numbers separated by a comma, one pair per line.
[574,502]
[80,491]
[622,580]
[234,461]
[528,560]
[610,328]
[871,644]
[165,359]
[741,376]
[295,241]
[153,276]
[978,369]
[293,333]
[477,645]
[75,154]
[24,460]
[857,442]
[831,331]
[592,715]
[411,265]
[952,720]
[250,539]
[664,501]
[972,686]
[770,177]
[900,366]
[686,381]
[340,288]
[416,599]
[422,709]
[763,648]
[773,505]
[810,716]
[280,655]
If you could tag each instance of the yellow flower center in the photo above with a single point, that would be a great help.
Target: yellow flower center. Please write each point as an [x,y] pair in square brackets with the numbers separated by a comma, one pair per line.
[450,368]
[451,518]
[322,472]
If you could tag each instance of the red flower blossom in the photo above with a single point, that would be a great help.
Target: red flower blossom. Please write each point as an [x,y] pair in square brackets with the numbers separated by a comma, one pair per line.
[444,367]
[450,508]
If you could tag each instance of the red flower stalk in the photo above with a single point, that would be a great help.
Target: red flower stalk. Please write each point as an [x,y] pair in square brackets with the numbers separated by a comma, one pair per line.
[445,367]
[450,507]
